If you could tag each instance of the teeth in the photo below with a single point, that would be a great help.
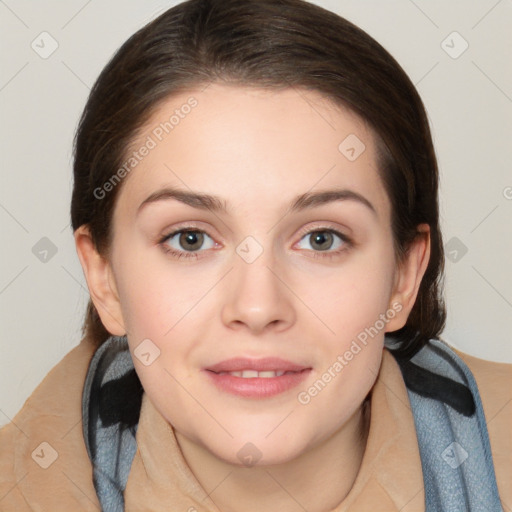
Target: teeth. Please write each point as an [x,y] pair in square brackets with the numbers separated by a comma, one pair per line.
[252,374]
[249,374]
[267,374]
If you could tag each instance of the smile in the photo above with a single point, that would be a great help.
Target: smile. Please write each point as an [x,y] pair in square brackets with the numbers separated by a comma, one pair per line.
[257,384]
[253,374]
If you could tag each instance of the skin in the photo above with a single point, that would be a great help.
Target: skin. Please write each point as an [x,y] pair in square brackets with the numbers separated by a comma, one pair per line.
[257,150]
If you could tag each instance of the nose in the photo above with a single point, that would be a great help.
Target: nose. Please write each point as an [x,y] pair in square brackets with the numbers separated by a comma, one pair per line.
[257,296]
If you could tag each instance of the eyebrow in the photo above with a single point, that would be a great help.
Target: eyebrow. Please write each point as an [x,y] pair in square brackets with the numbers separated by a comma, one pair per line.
[216,204]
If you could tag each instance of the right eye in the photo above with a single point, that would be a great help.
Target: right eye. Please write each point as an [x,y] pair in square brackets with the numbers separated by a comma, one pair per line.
[185,242]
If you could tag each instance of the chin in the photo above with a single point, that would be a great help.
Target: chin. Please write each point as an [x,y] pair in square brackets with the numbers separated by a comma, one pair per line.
[257,450]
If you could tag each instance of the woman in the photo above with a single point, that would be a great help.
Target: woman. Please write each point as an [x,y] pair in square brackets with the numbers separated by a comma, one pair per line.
[255,210]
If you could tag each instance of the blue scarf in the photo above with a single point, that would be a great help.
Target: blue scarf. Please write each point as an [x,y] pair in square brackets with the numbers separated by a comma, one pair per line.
[456,459]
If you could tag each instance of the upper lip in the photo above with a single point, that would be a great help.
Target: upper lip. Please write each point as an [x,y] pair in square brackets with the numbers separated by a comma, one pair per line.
[265,364]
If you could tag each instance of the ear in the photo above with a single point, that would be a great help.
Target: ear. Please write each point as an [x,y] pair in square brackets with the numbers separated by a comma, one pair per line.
[408,278]
[100,281]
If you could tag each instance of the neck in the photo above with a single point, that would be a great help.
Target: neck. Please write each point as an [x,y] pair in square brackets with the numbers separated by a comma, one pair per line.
[318,480]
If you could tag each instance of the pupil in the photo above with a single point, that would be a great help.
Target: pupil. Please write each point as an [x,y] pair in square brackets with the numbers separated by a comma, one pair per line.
[191,238]
[321,238]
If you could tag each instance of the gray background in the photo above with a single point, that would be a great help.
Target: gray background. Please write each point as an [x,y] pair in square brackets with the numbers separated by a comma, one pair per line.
[468,97]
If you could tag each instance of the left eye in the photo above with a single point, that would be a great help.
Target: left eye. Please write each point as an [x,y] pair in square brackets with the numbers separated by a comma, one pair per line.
[323,239]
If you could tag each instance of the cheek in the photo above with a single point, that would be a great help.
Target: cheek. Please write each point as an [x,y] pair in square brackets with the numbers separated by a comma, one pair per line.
[156,297]
[355,308]
[351,298]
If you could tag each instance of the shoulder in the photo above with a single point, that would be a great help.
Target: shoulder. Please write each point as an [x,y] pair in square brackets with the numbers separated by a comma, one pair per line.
[494,381]
[42,447]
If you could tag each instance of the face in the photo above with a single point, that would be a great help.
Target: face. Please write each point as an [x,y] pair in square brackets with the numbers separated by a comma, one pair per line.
[254,236]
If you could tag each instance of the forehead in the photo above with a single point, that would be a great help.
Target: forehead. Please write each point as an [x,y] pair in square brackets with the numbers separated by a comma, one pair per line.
[249,144]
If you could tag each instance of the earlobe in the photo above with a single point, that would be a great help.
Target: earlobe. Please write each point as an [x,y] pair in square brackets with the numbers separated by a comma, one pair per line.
[408,277]
[100,281]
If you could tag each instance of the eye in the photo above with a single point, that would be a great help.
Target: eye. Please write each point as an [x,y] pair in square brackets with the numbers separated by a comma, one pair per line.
[326,240]
[185,242]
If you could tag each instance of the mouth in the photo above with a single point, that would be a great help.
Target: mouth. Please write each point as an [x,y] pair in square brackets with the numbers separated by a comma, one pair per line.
[254,374]
[256,378]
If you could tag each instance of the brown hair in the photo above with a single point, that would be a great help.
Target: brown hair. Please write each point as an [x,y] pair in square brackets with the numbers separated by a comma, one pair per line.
[270,44]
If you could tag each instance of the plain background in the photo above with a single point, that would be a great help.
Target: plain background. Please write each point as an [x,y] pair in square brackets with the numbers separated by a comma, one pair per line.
[468,96]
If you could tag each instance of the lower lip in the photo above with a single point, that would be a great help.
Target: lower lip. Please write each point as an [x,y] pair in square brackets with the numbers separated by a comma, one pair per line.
[257,387]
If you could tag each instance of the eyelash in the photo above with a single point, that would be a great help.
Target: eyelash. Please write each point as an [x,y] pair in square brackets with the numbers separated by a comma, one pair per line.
[316,254]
